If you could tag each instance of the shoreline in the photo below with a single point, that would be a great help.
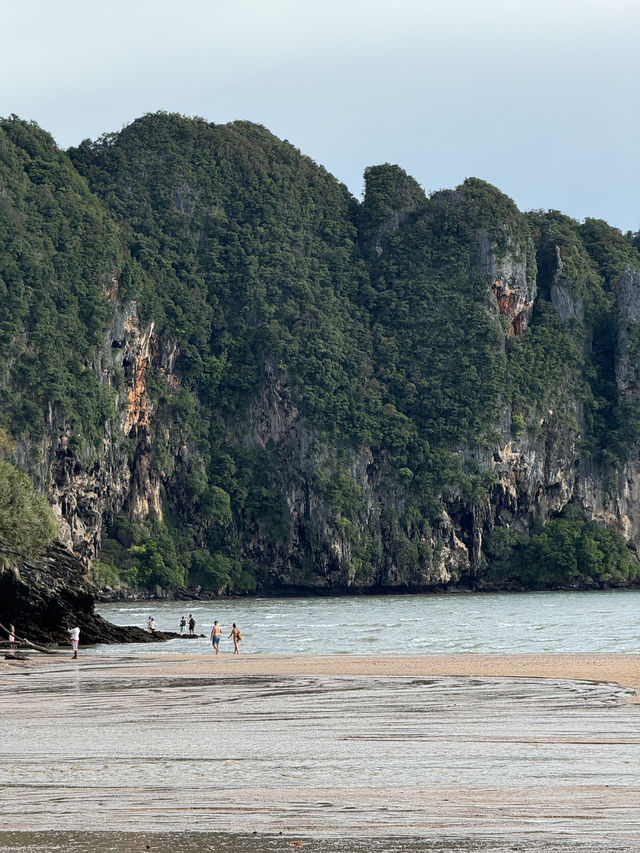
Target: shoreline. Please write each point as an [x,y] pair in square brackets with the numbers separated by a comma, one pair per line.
[623,669]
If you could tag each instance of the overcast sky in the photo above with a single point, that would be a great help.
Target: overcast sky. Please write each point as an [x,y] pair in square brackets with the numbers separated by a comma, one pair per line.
[539,98]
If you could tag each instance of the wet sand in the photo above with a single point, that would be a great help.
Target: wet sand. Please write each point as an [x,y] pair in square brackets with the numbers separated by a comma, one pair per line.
[461,752]
[623,669]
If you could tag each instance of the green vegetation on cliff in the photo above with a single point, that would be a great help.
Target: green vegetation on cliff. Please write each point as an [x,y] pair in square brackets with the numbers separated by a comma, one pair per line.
[26,521]
[345,372]
[250,250]
[59,253]
[570,551]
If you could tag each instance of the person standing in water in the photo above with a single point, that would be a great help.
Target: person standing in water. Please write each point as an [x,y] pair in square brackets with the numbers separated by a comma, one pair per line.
[216,633]
[183,625]
[192,626]
[236,633]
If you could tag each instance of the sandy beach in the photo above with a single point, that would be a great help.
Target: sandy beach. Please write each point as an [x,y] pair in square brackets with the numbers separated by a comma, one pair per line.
[623,668]
[434,752]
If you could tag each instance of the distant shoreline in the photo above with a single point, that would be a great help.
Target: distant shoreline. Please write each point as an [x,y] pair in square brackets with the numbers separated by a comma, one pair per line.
[129,596]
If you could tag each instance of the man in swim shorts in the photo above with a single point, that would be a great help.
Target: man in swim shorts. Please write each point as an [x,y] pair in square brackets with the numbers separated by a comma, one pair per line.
[216,633]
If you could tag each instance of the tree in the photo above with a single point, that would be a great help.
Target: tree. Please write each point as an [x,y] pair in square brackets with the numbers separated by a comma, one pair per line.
[26,521]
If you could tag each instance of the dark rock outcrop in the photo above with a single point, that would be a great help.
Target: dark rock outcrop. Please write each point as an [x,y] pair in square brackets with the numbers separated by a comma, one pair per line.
[44,597]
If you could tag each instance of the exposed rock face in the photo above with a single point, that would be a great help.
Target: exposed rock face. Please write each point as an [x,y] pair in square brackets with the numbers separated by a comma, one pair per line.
[534,477]
[568,303]
[567,306]
[628,355]
[513,279]
[44,597]
[83,484]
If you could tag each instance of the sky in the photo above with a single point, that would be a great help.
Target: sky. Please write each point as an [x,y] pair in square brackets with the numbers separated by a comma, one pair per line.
[540,98]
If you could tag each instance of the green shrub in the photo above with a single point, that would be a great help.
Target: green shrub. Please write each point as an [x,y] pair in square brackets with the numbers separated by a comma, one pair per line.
[569,551]
[26,521]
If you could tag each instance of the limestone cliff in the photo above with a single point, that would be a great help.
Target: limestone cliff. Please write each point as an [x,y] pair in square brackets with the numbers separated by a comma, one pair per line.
[535,475]
[228,374]
[513,280]
[84,484]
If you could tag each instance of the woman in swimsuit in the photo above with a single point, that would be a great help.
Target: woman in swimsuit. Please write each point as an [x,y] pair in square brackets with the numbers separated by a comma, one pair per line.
[236,633]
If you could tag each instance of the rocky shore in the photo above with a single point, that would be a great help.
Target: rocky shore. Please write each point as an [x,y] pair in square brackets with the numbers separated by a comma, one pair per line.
[43,597]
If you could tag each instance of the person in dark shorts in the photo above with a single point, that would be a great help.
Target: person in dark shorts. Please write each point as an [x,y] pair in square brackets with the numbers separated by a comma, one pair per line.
[192,626]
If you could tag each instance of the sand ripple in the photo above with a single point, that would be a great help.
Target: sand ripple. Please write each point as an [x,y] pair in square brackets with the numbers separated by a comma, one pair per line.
[475,760]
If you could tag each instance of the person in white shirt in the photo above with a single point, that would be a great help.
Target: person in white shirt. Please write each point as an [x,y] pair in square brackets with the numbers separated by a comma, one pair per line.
[74,633]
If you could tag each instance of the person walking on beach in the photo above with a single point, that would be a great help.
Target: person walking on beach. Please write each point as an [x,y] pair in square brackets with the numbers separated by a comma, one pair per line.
[192,626]
[74,634]
[236,633]
[12,639]
[183,625]
[216,633]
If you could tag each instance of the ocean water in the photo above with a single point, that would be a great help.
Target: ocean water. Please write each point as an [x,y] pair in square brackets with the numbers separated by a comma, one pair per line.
[497,623]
